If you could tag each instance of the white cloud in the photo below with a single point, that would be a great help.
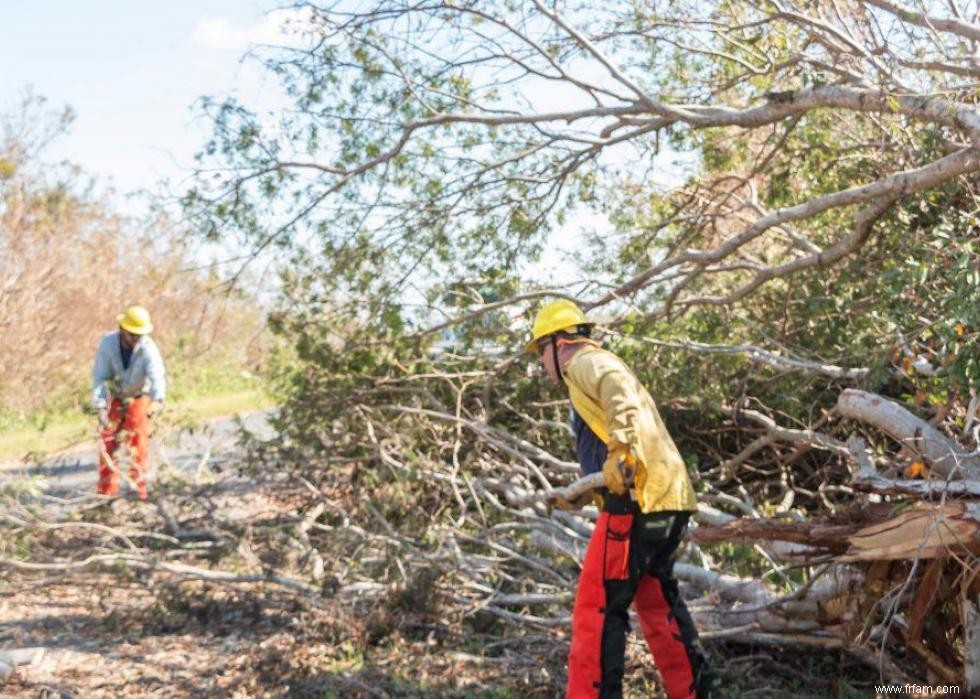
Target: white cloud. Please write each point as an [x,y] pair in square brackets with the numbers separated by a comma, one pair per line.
[221,33]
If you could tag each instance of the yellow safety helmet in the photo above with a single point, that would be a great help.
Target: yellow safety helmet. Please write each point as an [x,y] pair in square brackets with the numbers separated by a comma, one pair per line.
[136,320]
[554,317]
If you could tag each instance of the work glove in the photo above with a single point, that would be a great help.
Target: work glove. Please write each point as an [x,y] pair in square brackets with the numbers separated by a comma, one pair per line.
[156,407]
[103,418]
[618,471]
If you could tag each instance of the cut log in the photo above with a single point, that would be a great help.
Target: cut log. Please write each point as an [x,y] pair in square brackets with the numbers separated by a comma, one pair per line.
[925,531]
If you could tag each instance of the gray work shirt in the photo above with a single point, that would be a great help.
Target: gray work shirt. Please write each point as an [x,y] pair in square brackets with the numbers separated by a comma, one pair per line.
[144,375]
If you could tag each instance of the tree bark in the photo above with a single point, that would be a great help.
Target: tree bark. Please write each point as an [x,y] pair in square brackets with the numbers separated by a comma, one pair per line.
[947,458]
[971,644]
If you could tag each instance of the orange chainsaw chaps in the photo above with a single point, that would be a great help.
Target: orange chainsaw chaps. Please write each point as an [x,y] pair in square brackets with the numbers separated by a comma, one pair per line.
[132,428]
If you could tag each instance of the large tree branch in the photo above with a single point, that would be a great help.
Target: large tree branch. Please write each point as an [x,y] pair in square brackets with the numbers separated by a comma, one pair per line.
[778,107]
[760,355]
[864,222]
[867,478]
[948,459]
[902,183]
[967,30]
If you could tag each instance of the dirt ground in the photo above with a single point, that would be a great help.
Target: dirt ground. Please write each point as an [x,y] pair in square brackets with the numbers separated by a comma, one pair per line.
[111,639]
[144,638]
[120,632]
[116,631]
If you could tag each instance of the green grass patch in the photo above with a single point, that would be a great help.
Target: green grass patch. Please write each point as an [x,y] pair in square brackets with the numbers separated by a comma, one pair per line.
[196,391]
[59,433]
[223,404]
[70,429]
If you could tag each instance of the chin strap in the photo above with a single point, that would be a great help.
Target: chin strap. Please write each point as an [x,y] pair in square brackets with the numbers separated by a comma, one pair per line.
[554,356]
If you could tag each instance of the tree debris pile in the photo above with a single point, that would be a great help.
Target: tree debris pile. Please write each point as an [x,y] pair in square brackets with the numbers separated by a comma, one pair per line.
[799,297]
[392,551]
[913,585]
[857,559]
[275,587]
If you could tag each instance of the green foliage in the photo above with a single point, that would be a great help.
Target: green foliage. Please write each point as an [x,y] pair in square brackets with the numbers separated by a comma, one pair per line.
[400,229]
[396,220]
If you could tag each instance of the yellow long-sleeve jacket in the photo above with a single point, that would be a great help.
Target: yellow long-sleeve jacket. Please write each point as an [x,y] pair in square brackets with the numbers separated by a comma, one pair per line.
[620,411]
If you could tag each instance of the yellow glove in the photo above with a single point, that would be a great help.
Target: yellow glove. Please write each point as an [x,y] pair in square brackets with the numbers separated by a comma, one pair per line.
[618,471]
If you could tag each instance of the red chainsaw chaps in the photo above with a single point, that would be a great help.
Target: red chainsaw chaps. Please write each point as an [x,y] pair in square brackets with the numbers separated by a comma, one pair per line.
[136,424]
[663,637]
[616,561]
[607,558]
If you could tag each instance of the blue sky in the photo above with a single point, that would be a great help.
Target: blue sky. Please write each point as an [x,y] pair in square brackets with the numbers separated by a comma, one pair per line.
[132,71]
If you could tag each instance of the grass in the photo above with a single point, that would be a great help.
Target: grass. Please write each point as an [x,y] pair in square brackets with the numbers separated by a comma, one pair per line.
[70,429]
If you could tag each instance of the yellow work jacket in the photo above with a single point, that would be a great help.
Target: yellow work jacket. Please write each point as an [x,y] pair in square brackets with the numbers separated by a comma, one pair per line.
[620,411]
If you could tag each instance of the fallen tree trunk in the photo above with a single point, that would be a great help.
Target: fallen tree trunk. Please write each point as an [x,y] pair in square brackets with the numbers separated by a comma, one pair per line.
[947,458]
[825,539]
[924,531]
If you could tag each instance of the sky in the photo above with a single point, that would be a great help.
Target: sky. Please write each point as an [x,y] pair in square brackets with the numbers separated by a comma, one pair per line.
[132,71]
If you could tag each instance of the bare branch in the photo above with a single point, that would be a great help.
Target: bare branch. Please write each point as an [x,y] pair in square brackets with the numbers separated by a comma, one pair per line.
[967,30]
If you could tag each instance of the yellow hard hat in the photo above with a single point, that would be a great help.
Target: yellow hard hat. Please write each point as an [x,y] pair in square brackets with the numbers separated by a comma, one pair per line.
[136,320]
[553,317]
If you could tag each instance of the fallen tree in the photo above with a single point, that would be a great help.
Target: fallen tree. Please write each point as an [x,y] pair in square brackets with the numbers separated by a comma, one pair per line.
[807,277]
[901,575]
[889,574]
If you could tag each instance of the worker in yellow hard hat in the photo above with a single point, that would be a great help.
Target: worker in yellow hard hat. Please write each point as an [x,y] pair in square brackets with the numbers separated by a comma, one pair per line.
[644,509]
[128,389]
